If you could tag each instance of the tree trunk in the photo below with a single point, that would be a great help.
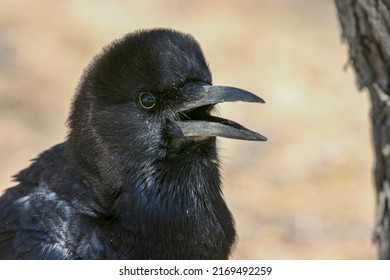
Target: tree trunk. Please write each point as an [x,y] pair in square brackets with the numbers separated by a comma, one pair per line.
[365,26]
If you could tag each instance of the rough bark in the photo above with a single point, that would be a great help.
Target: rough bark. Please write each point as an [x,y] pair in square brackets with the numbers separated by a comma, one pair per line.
[365,26]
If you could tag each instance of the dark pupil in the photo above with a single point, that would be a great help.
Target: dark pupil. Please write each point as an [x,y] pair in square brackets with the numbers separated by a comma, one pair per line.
[147,100]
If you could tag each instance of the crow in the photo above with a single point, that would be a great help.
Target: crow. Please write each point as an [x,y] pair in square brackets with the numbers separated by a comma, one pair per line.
[138,176]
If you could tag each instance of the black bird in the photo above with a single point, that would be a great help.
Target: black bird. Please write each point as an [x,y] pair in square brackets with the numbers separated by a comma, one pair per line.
[138,175]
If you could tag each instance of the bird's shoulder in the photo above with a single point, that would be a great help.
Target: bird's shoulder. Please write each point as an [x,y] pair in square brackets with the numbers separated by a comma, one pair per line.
[50,161]
[48,171]
[32,226]
[42,225]
[39,219]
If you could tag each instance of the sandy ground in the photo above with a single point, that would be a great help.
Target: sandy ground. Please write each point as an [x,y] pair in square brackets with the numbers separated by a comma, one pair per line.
[307,193]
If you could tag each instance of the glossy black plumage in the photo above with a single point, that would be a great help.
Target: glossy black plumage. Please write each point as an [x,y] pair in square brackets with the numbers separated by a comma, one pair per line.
[138,176]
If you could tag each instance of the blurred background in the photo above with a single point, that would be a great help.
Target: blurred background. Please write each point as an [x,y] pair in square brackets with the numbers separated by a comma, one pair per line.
[307,193]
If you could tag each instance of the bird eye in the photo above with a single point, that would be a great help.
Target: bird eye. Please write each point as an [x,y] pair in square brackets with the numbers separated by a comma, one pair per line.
[147,100]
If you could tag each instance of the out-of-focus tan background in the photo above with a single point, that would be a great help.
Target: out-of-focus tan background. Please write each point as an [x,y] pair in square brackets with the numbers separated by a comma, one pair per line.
[307,193]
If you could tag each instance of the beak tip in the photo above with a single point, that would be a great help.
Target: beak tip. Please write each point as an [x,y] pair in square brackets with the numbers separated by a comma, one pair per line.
[260,100]
[261,138]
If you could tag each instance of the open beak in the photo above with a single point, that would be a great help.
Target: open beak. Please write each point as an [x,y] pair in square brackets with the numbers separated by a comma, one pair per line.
[196,121]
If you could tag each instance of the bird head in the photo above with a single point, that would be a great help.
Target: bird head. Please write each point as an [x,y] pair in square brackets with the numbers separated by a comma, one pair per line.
[147,98]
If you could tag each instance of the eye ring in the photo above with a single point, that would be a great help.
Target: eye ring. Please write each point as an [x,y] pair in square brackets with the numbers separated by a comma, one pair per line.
[147,100]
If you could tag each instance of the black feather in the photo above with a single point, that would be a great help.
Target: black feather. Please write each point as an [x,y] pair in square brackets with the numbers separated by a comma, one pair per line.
[127,183]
